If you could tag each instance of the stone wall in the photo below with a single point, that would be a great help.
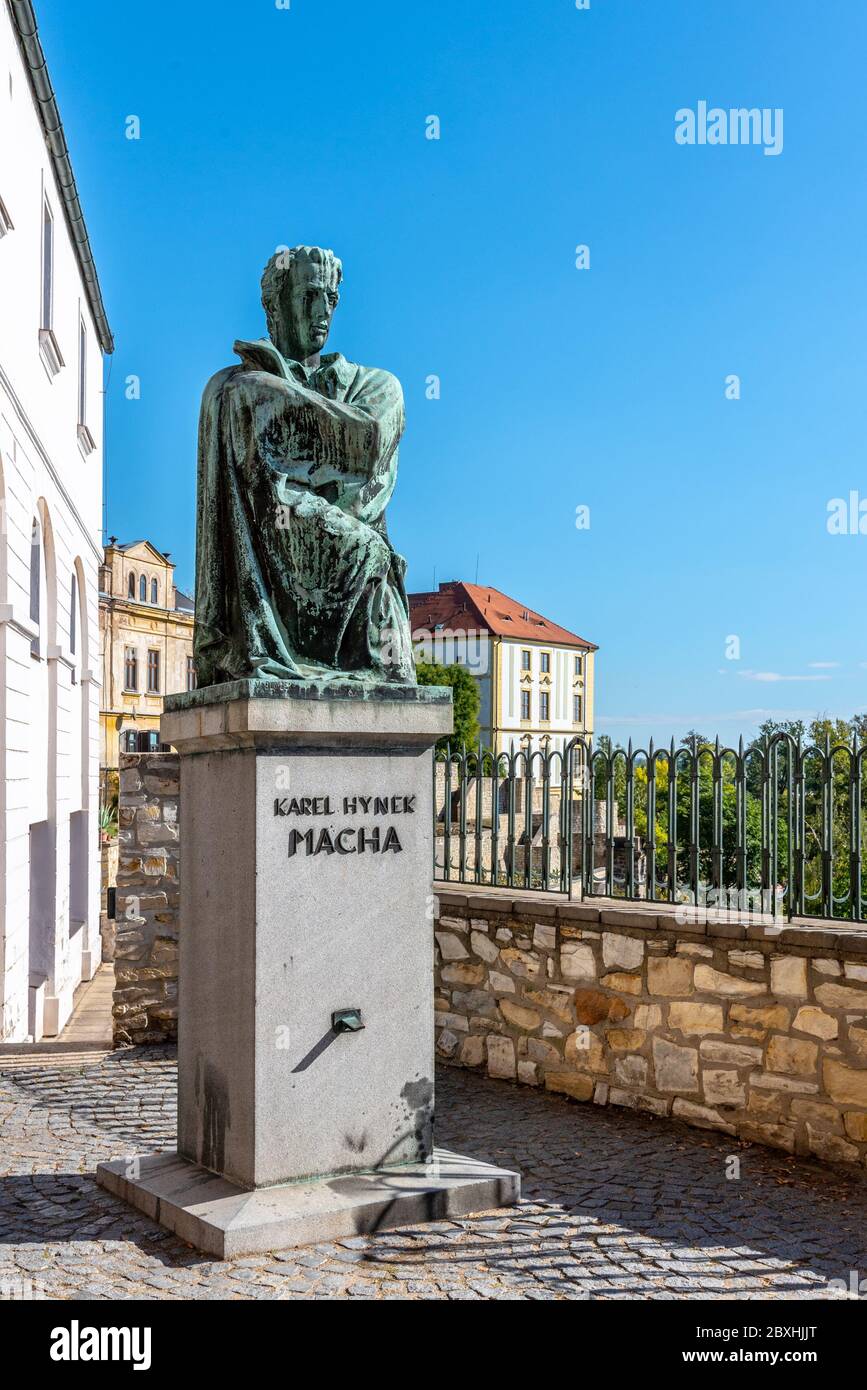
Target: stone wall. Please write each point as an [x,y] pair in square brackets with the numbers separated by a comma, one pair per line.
[757,1030]
[146,942]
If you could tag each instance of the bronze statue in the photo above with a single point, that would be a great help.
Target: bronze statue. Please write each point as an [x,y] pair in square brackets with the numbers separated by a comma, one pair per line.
[295,575]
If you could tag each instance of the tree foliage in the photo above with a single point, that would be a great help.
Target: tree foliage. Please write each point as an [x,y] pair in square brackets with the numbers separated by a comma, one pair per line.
[465,701]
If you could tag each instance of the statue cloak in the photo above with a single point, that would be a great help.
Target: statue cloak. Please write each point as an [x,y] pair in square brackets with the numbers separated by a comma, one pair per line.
[295,575]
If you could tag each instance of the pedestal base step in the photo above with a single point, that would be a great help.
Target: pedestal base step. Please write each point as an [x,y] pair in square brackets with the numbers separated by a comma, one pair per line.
[226,1221]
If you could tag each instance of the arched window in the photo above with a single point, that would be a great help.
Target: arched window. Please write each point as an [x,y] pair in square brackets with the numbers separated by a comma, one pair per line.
[130,588]
[154,591]
[143,589]
[35,590]
[73,612]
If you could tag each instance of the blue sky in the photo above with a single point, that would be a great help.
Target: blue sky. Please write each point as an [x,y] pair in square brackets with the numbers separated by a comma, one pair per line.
[606,387]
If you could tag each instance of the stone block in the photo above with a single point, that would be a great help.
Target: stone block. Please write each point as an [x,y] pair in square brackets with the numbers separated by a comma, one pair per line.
[593,1006]
[690,1017]
[700,1115]
[501,1057]
[845,1084]
[670,975]
[789,976]
[519,1016]
[569,1083]
[473,1051]
[842,997]
[711,981]
[622,952]
[792,1056]
[624,984]
[855,1122]
[722,1087]
[451,946]
[577,961]
[483,946]
[675,1067]
[816,1022]
[524,964]
[736,1054]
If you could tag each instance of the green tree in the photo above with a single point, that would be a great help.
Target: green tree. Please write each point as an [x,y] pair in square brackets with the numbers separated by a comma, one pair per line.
[465,702]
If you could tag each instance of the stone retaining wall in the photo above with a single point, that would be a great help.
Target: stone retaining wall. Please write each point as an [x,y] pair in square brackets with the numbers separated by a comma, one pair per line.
[146,941]
[759,1031]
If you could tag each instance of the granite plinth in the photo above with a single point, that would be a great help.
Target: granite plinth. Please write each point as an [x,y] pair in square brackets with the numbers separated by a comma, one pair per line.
[227,1221]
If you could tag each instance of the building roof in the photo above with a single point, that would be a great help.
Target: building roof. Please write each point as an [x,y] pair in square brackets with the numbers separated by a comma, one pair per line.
[457,605]
[24,25]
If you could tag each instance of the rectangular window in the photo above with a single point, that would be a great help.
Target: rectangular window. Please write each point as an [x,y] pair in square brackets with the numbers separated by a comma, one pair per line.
[153,673]
[191,674]
[82,373]
[525,659]
[130,669]
[47,266]
[577,702]
[525,704]
[544,701]
[545,661]
[579,665]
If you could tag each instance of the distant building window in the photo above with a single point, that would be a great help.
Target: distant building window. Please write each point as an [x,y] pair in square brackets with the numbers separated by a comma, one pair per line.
[525,704]
[191,674]
[130,669]
[154,591]
[577,704]
[525,659]
[545,661]
[47,266]
[35,593]
[130,588]
[144,741]
[143,589]
[73,605]
[153,673]
[579,665]
[544,702]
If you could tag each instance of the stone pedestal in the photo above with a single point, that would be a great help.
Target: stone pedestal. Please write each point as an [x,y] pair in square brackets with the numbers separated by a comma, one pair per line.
[305,1034]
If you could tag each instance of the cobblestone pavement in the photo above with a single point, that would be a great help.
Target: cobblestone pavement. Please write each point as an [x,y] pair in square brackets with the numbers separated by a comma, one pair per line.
[616,1205]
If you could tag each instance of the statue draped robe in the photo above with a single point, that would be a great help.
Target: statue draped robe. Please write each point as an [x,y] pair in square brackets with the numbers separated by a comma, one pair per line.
[295,574]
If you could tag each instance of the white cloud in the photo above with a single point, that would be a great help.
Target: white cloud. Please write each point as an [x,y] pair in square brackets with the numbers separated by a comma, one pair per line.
[777,676]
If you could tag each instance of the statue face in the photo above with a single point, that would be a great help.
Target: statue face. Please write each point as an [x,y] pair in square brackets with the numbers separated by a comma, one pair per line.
[304,312]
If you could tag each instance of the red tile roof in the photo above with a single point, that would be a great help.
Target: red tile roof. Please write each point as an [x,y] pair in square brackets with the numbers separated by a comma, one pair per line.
[457,605]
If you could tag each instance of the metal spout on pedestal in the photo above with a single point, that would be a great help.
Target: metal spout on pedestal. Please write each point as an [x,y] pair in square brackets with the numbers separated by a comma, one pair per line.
[346,1021]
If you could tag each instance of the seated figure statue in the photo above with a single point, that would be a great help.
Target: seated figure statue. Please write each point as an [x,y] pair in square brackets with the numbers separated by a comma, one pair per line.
[295,575]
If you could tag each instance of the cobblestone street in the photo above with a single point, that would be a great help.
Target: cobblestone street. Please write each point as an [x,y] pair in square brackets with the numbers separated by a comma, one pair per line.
[616,1205]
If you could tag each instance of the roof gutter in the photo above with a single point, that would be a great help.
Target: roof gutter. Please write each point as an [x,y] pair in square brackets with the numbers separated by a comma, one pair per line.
[24,22]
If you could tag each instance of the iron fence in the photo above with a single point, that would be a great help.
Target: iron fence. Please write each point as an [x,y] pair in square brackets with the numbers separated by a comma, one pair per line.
[776,827]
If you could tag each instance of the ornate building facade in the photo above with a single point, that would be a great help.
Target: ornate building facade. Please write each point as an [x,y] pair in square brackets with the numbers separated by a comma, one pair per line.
[146,629]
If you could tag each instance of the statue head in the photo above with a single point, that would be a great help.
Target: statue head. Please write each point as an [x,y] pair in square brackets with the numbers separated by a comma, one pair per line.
[299,296]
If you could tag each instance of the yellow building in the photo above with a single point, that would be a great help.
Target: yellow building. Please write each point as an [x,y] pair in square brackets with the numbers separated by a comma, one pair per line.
[146,631]
[535,678]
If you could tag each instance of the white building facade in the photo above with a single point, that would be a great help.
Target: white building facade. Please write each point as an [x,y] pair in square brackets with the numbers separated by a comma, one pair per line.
[53,334]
